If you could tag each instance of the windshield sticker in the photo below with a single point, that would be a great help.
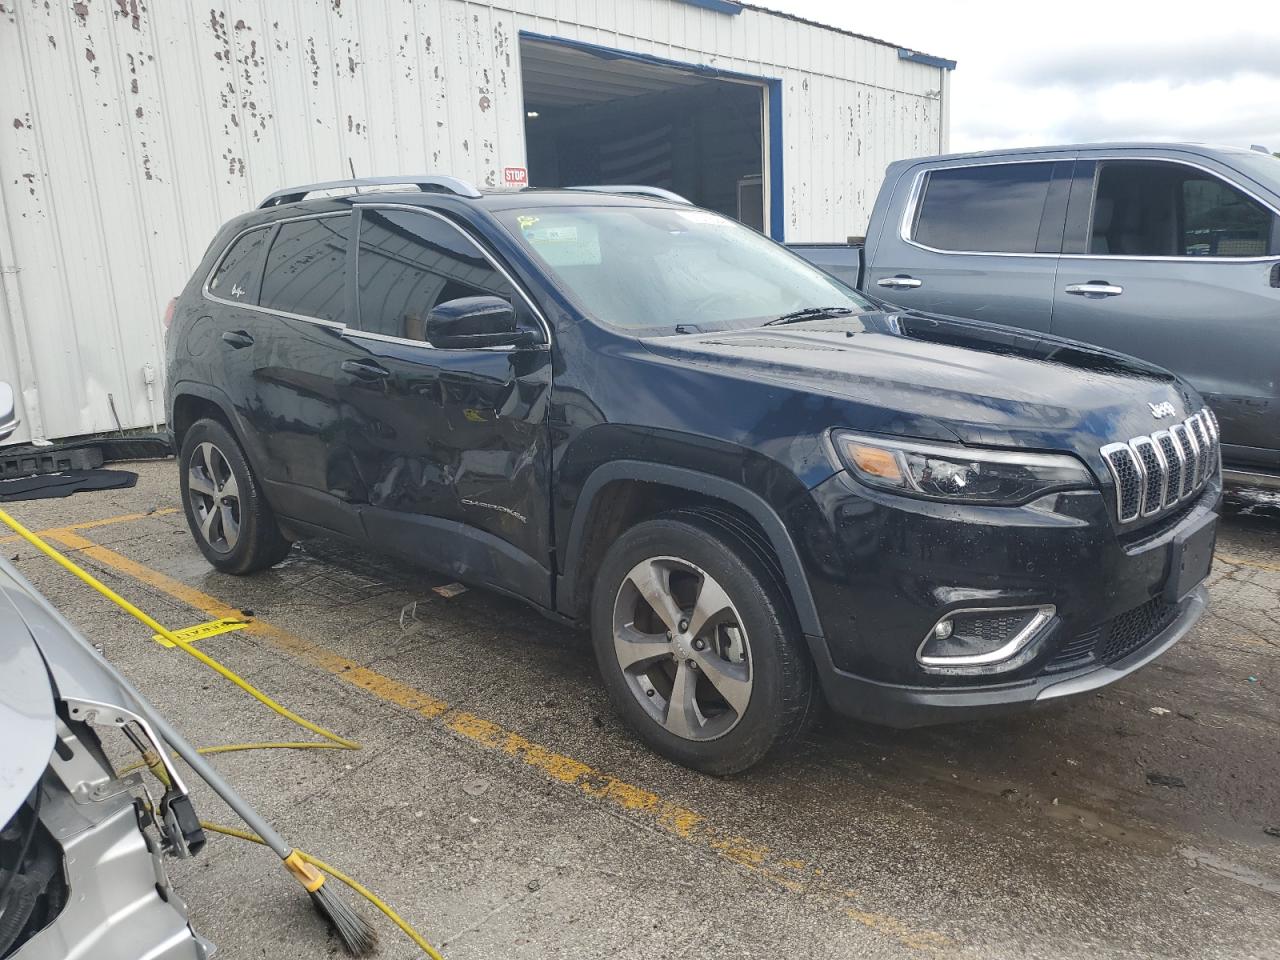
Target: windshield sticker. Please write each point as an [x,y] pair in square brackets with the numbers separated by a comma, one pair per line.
[565,245]
[526,222]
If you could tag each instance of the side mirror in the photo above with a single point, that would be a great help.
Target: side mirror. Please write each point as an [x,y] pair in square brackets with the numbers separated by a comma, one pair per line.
[470,322]
[8,415]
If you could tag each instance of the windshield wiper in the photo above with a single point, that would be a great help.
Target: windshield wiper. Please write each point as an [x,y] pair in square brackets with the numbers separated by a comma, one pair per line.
[809,313]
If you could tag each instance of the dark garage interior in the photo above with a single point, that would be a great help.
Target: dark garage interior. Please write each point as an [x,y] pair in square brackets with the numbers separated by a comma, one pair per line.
[591,119]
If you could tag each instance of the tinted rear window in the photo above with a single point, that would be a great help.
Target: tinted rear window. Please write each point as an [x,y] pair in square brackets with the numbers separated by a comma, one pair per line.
[993,209]
[306,268]
[237,275]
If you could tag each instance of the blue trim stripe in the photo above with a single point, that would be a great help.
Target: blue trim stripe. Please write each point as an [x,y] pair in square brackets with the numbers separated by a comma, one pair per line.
[777,214]
[773,89]
[719,6]
[942,63]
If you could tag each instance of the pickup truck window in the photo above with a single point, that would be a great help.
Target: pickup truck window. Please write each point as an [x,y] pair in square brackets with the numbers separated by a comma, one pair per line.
[1150,208]
[651,269]
[993,208]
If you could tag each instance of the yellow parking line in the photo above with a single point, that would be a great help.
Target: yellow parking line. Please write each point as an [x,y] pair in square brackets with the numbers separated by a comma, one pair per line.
[678,821]
[1241,562]
[92,524]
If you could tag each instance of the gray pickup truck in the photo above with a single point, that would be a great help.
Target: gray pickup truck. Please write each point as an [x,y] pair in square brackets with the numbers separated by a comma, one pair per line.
[1169,252]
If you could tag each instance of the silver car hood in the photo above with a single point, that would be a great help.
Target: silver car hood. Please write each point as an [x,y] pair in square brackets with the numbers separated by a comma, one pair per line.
[42,659]
[26,709]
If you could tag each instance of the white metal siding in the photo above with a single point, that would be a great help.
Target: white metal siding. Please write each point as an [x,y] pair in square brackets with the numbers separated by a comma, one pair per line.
[131,131]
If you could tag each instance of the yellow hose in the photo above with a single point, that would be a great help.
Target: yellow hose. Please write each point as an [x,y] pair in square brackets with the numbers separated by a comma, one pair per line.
[169,635]
[233,747]
[152,761]
[355,885]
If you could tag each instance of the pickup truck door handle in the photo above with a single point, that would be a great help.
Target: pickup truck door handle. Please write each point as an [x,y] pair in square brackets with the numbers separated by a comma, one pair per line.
[899,282]
[1094,288]
[365,369]
[237,339]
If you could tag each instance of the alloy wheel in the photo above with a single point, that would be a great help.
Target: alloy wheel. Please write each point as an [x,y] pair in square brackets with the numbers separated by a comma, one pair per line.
[214,496]
[682,647]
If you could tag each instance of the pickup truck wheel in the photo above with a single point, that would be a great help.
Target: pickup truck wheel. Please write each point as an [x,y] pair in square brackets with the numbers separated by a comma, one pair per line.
[231,521]
[697,645]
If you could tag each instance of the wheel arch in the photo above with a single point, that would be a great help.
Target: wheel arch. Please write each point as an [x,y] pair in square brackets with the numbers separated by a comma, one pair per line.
[572,590]
[192,401]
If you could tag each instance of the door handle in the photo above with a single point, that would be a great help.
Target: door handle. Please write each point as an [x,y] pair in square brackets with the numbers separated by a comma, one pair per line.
[1094,288]
[237,339]
[365,369]
[900,282]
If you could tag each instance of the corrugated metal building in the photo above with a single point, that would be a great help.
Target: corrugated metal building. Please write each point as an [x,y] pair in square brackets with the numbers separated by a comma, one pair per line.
[132,129]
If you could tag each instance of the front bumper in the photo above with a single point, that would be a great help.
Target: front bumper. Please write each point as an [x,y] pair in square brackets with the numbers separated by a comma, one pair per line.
[896,705]
[883,569]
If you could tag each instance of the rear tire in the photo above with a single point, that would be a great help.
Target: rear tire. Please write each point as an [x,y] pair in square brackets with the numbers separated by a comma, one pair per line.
[232,523]
[734,682]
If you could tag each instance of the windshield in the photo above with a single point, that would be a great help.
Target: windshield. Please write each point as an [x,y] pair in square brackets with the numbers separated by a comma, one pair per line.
[1261,167]
[656,270]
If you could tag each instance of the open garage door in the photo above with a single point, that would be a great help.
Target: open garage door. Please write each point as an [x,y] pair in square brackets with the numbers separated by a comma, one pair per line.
[594,116]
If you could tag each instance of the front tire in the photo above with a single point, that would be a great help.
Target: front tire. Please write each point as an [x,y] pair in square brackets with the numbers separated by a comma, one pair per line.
[232,523]
[697,645]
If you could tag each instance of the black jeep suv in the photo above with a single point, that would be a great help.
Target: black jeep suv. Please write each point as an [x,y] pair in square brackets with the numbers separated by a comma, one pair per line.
[753,483]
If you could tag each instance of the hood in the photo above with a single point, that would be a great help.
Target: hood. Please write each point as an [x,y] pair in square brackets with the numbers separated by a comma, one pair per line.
[26,706]
[986,384]
[43,659]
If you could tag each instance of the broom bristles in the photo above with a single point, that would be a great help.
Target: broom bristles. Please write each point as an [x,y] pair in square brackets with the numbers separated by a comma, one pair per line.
[353,930]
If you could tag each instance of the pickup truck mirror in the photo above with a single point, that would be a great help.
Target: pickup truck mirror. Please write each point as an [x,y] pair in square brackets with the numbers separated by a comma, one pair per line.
[473,322]
[8,415]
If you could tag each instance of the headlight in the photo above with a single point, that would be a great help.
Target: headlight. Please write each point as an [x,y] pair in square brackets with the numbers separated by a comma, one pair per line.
[963,474]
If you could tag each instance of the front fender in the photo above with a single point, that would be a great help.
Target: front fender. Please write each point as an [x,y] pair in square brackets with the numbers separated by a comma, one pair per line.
[708,485]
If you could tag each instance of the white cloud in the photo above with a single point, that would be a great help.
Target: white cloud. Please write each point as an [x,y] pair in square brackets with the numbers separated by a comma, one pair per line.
[1039,73]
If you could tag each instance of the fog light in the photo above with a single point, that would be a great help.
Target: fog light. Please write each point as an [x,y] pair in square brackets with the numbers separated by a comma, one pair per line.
[982,640]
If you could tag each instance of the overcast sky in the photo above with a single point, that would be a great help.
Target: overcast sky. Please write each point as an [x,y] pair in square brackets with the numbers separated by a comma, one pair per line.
[1034,73]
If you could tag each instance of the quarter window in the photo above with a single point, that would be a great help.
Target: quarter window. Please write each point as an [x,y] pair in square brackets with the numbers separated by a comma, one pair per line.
[991,209]
[237,275]
[410,262]
[306,268]
[1157,209]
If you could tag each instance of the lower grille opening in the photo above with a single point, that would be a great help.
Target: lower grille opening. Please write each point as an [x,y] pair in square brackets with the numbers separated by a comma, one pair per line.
[1127,632]
[1117,638]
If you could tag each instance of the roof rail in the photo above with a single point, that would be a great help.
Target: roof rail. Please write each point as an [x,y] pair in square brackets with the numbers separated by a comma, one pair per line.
[427,183]
[635,189]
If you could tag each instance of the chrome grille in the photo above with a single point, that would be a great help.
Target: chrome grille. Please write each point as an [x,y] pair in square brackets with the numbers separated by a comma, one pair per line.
[1152,473]
[1188,451]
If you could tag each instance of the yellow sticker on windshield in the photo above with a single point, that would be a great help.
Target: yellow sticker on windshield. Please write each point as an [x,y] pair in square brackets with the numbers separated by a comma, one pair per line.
[526,222]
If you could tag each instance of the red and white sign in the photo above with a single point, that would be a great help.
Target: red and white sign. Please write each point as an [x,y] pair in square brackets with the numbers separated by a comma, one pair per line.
[515,176]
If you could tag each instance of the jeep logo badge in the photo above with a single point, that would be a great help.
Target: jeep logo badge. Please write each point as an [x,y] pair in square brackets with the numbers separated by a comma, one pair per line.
[1159,410]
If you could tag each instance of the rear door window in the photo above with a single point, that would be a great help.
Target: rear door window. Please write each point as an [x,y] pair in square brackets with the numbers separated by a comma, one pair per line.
[995,208]
[1152,208]
[238,274]
[408,263]
[306,268]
